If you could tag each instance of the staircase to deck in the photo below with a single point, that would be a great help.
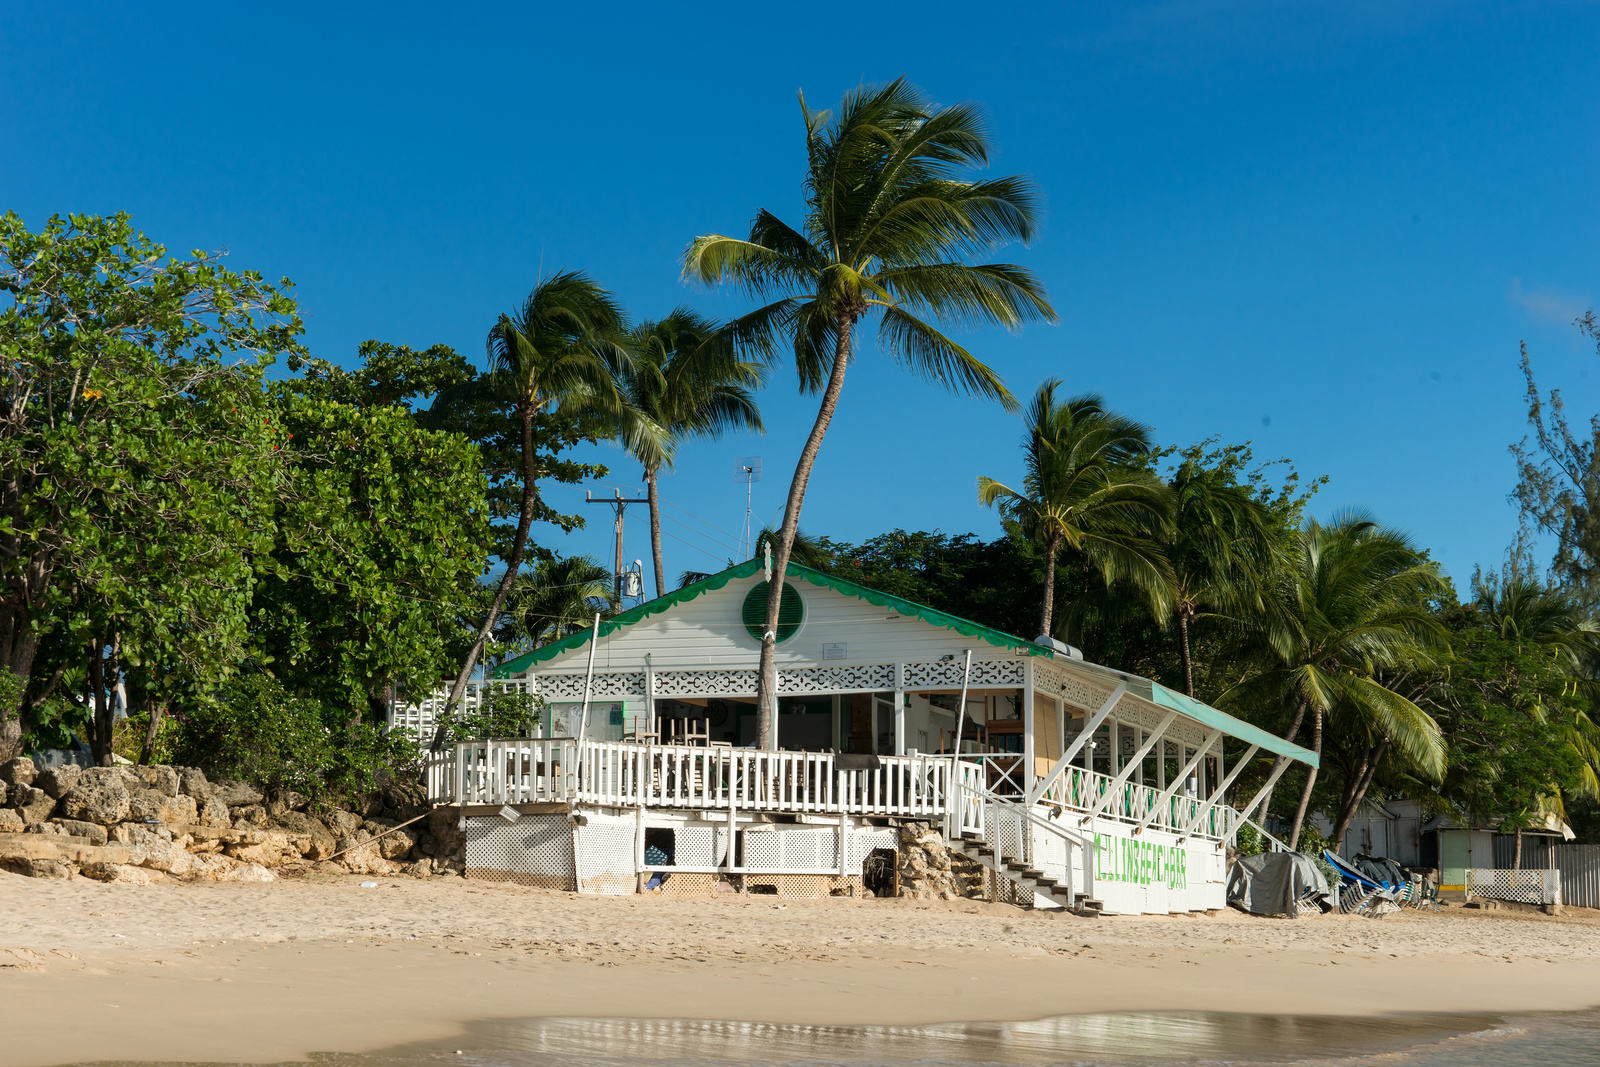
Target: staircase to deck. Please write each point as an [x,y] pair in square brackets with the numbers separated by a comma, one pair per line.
[1003,834]
[1033,881]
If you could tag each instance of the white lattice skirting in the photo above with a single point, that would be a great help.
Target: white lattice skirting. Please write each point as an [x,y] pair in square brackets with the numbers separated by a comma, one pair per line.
[1527,887]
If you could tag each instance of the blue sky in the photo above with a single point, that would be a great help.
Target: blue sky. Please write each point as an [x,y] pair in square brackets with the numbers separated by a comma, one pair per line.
[1322,228]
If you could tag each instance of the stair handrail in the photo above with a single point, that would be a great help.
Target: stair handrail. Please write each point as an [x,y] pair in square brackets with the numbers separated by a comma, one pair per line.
[982,796]
[1277,846]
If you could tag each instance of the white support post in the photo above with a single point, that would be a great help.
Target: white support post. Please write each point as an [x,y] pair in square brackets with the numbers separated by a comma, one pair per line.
[899,709]
[961,708]
[1028,749]
[1222,790]
[1127,768]
[1166,795]
[588,683]
[649,696]
[638,848]
[1080,742]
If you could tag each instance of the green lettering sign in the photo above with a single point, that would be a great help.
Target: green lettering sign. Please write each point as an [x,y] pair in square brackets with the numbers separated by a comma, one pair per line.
[1127,859]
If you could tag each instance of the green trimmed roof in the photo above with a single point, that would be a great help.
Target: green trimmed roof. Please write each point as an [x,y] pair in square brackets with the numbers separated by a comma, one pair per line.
[1154,692]
[929,615]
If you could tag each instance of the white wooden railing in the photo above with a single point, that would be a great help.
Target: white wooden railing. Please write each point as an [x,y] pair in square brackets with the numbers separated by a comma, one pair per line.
[630,774]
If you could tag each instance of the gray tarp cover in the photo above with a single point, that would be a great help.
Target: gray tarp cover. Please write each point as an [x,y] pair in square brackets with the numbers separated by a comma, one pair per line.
[1270,883]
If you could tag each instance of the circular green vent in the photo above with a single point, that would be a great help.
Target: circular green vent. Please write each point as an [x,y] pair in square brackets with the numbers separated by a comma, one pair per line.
[791,611]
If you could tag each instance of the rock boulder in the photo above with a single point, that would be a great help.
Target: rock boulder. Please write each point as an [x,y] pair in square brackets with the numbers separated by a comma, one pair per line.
[10,821]
[163,780]
[145,805]
[58,781]
[19,771]
[97,798]
[95,834]
[36,868]
[34,805]
[212,812]
[101,871]
[250,816]
[235,794]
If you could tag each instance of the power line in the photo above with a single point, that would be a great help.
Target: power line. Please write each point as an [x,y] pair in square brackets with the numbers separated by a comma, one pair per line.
[720,559]
[697,518]
[701,533]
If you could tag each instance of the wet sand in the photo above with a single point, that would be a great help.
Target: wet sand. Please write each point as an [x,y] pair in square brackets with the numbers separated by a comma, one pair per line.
[259,973]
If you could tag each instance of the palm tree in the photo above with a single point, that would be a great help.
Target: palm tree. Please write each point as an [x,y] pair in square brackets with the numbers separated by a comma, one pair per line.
[1350,603]
[686,380]
[1082,490]
[560,351]
[1220,547]
[558,598]
[891,217]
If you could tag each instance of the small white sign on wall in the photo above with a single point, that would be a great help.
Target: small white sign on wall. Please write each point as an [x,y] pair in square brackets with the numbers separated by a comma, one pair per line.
[834,651]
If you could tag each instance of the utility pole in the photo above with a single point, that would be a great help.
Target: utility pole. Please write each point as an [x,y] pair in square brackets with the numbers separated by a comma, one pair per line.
[622,506]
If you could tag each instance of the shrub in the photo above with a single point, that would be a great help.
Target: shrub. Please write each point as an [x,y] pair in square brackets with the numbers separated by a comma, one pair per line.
[504,716]
[258,732]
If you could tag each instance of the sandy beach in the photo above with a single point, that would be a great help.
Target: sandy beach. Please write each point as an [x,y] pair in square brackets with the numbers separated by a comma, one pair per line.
[257,973]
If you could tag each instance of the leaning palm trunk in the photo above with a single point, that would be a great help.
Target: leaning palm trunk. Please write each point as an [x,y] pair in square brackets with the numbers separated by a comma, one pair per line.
[766,690]
[1047,616]
[519,542]
[1277,764]
[1357,789]
[655,531]
[1516,851]
[1311,780]
[1184,613]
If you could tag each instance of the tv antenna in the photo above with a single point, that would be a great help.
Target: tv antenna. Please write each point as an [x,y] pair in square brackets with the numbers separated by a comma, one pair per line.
[747,469]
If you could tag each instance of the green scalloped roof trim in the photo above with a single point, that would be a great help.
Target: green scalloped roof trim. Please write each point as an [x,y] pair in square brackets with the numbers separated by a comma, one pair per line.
[933,617]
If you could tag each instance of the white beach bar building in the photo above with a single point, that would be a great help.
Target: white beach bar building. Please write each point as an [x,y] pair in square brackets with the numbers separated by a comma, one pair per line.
[1075,785]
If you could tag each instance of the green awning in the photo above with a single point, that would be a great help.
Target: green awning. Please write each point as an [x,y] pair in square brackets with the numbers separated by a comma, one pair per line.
[1221,720]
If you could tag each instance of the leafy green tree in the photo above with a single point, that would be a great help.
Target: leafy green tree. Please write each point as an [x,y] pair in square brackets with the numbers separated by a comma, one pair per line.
[137,455]
[687,380]
[1084,489]
[389,376]
[1350,601]
[381,541]
[559,352]
[1548,623]
[1507,751]
[891,217]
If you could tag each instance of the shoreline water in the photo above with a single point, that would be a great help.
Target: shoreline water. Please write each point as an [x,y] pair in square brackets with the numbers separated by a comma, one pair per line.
[275,973]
